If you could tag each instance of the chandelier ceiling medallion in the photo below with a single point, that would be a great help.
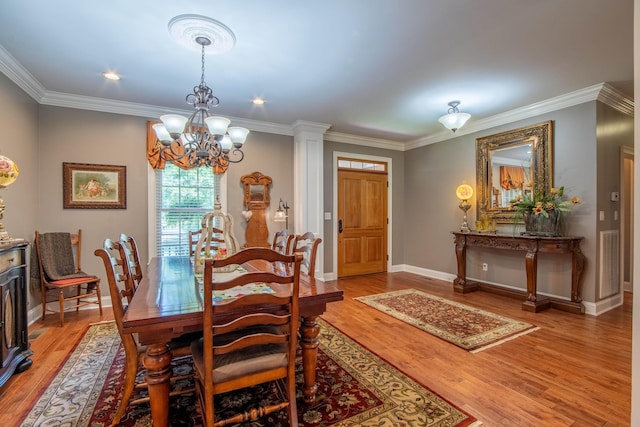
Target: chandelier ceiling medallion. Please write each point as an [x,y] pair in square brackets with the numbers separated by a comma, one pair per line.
[201,139]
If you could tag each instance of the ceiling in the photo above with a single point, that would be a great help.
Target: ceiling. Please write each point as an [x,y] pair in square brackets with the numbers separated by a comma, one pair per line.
[375,68]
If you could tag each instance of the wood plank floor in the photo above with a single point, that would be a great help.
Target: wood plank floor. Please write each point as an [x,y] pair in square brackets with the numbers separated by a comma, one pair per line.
[574,371]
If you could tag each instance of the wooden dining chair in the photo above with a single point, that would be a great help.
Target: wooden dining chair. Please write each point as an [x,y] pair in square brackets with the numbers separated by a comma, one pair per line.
[115,265]
[58,258]
[258,347]
[216,241]
[132,268]
[307,244]
[282,242]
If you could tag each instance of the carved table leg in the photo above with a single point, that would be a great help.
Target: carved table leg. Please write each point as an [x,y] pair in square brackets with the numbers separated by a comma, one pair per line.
[578,261]
[157,361]
[309,330]
[533,303]
[460,284]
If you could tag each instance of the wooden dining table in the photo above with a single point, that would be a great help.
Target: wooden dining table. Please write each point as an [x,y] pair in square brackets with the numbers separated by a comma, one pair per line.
[168,305]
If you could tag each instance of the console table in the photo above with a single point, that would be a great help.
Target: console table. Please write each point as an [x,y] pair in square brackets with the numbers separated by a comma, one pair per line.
[532,245]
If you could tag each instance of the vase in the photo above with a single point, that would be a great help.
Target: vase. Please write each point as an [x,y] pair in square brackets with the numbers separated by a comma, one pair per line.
[540,225]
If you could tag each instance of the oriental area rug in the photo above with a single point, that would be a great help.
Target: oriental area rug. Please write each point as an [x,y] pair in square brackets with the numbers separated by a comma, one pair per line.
[355,388]
[467,327]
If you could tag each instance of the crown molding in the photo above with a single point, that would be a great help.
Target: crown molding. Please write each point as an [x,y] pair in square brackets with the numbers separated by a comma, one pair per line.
[603,92]
[347,138]
[306,126]
[14,70]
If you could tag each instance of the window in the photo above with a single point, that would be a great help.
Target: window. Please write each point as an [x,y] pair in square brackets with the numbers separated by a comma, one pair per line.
[182,198]
[365,166]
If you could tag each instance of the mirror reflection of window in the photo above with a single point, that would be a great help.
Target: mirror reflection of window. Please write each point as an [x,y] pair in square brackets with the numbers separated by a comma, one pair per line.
[511,174]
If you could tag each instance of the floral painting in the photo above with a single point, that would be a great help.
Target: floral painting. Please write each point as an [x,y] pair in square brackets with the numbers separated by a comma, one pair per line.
[88,186]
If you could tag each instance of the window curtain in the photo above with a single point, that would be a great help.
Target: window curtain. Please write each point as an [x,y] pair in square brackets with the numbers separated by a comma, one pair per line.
[153,153]
[511,178]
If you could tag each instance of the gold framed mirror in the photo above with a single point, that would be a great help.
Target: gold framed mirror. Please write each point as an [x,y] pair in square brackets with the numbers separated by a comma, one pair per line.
[510,163]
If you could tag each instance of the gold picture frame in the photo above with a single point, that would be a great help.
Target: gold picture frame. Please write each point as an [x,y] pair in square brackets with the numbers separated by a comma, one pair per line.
[89,186]
[535,140]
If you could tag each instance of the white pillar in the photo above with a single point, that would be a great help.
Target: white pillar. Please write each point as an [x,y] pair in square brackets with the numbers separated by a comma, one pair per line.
[308,189]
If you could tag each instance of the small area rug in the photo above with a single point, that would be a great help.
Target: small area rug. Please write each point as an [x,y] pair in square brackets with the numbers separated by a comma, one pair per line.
[467,327]
[356,388]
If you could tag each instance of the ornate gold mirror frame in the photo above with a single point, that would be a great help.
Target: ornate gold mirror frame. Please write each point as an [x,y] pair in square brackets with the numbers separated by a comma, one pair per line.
[529,149]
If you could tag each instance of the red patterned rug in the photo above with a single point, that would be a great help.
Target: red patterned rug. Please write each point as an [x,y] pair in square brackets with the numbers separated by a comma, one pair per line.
[356,388]
[467,327]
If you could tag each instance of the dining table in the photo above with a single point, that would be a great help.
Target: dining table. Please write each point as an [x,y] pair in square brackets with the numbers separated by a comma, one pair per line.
[168,304]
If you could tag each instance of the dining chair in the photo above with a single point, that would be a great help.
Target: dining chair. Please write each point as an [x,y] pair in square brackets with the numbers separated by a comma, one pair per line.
[115,266]
[216,241]
[307,244]
[239,351]
[59,268]
[282,242]
[132,268]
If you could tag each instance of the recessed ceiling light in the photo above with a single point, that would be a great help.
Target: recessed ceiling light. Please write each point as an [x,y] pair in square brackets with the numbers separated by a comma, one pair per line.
[111,75]
[258,101]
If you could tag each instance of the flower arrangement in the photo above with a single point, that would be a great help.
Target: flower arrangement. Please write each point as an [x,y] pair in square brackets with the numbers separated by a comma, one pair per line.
[543,203]
[542,212]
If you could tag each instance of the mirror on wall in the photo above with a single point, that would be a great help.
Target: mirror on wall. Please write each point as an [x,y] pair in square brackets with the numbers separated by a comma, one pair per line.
[511,163]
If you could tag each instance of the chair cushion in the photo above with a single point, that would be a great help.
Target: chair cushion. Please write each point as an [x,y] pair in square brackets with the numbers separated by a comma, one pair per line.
[74,281]
[243,362]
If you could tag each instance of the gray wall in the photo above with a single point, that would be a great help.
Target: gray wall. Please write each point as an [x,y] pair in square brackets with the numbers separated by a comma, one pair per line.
[613,130]
[272,155]
[433,172]
[19,121]
[424,207]
[40,138]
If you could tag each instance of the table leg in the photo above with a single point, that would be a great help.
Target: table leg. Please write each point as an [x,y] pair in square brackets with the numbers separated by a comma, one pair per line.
[460,284]
[578,261]
[157,361]
[309,330]
[533,303]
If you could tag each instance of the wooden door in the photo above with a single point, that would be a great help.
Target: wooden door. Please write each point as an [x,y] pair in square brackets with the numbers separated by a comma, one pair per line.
[362,222]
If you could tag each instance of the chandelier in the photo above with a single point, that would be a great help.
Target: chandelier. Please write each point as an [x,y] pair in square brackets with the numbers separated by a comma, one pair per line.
[201,139]
[454,119]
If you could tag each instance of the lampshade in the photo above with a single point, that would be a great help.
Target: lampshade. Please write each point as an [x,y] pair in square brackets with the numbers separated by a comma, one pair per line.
[8,171]
[454,119]
[464,192]
[279,216]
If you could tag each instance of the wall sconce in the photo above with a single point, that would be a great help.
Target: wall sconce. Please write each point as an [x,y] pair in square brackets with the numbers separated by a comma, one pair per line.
[282,214]
[464,193]
[454,119]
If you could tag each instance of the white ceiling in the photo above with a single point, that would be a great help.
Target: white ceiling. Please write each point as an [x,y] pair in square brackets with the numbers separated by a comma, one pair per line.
[376,68]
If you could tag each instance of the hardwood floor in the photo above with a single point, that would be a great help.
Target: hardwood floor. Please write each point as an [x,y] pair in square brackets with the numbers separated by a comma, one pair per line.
[574,371]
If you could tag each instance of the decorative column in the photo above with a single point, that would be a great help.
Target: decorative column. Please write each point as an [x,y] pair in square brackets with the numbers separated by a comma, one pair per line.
[308,189]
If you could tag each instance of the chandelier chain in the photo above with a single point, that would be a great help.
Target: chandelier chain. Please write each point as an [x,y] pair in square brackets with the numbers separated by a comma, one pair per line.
[196,143]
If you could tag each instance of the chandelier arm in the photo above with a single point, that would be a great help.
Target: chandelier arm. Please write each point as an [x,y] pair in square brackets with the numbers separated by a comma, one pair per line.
[198,145]
[234,151]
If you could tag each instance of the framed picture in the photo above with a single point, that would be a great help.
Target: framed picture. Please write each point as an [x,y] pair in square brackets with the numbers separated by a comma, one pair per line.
[87,186]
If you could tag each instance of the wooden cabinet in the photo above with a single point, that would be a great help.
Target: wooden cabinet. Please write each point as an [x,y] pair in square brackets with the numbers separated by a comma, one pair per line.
[14,348]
